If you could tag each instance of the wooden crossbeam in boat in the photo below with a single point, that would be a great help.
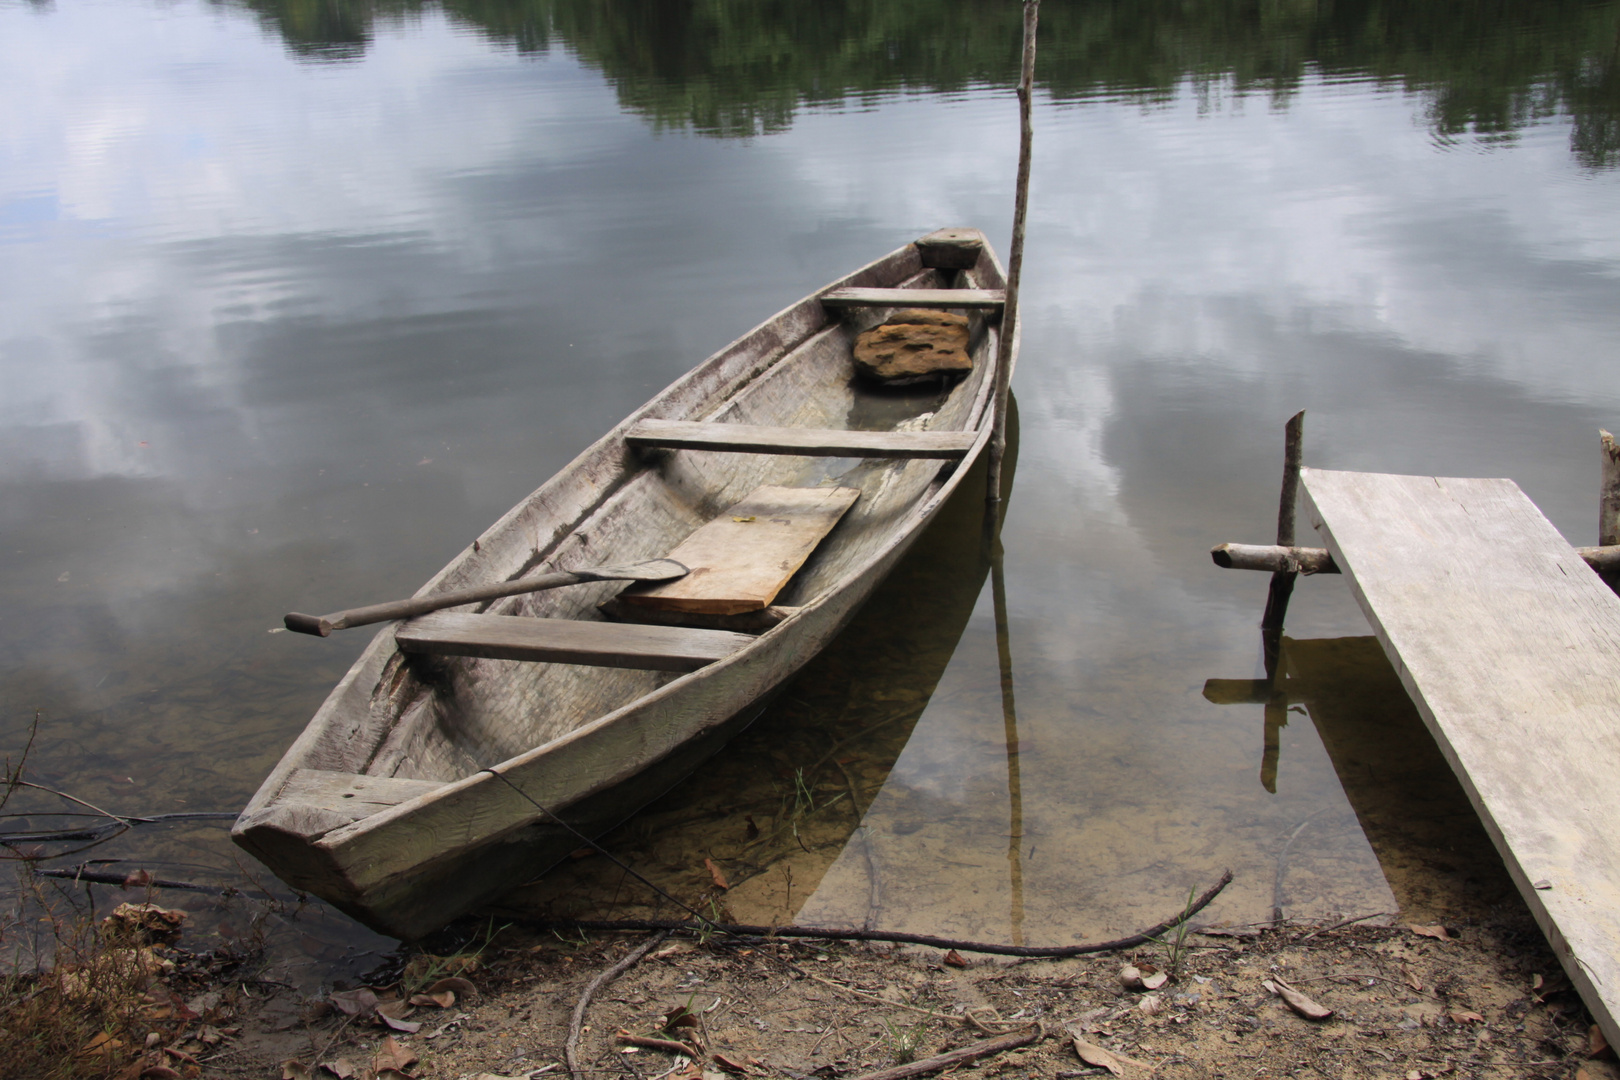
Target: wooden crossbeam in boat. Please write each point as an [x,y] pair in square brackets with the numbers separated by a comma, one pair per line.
[1509,645]
[970,299]
[566,641]
[810,442]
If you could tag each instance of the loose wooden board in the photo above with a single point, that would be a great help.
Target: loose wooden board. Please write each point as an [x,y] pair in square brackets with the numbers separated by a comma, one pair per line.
[567,641]
[741,559]
[817,442]
[1509,645]
[969,299]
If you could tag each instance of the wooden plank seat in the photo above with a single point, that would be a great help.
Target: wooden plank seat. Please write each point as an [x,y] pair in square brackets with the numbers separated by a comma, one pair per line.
[739,561]
[969,299]
[566,641]
[810,442]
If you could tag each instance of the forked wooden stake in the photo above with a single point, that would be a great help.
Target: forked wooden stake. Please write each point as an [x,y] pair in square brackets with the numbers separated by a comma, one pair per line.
[1282,582]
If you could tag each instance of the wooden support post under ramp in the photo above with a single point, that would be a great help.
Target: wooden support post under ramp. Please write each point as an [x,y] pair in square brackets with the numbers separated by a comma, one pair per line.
[1509,645]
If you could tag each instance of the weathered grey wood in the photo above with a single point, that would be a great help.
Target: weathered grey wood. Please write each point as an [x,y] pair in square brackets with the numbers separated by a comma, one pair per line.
[967,299]
[1274,558]
[821,442]
[1609,501]
[1510,647]
[741,559]
[1302,560]
[348,797]
[951,249]
[565,641]
[595,743]
[322,625]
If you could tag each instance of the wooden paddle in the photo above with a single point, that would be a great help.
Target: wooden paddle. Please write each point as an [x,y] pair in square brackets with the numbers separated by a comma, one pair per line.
[322,625]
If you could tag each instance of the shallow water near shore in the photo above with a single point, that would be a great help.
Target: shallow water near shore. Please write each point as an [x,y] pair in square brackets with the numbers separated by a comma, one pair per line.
[291,306]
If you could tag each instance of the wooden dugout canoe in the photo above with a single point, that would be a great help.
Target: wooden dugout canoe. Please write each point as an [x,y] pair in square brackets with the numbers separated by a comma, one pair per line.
[407,799]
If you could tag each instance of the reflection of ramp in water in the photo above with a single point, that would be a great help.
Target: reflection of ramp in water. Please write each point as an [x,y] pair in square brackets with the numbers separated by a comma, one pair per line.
[775,808]
[1434,855]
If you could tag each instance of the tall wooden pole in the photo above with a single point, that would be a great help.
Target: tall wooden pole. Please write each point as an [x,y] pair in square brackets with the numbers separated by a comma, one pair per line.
[1015,264]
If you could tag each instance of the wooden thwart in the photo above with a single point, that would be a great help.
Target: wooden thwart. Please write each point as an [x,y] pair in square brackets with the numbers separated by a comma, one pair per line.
[968,299]
[1509,645]
[741,559]
[811,442]
[567,641]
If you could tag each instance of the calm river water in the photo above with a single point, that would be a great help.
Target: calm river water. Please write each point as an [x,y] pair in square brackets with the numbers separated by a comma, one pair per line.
[295,298]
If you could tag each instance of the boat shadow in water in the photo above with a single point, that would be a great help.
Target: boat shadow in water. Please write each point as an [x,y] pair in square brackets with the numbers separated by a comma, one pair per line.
[774,810]
[1433,851]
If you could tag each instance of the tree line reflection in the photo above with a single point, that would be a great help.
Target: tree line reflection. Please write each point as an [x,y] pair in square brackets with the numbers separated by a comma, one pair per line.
[1485,68]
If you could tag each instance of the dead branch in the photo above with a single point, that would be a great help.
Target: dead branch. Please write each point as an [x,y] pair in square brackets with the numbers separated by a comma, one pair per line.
[959,1057]
[577,1021]
[819,933]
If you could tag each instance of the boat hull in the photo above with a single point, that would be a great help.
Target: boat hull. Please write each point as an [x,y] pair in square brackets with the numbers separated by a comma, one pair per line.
[456,816]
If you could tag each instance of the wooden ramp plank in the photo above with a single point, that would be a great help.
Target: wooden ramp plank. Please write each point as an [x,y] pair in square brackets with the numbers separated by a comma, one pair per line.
[970,299]
[565,641]
[1509,645]
[741,559]
[811,442]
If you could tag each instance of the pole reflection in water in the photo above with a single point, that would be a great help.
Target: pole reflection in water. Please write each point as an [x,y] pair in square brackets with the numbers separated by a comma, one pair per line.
[1434,854]
[1009,715]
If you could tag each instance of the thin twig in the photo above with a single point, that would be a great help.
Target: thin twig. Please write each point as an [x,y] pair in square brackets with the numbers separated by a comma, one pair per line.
[577,1021]
[329,1042]
[72,798]
[1340,924]
[958,1017]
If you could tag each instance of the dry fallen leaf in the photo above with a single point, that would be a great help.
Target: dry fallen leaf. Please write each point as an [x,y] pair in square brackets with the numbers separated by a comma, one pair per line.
[441,1000]
[1595,1042]
[354,1002]
[342,1068]
[716,876]
[293,1069]
[1096,1056]
[1411,979]
[1438,932]
[391,1055]
[1143,977]
[1297,1001]
[457,985]
[1465,1016]
[729,1064]
[954,959]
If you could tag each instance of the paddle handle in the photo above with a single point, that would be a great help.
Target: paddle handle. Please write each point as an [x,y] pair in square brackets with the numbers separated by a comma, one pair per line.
[322,625]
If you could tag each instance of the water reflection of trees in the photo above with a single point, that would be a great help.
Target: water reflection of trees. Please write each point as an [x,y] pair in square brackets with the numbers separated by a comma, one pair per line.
[742,67]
